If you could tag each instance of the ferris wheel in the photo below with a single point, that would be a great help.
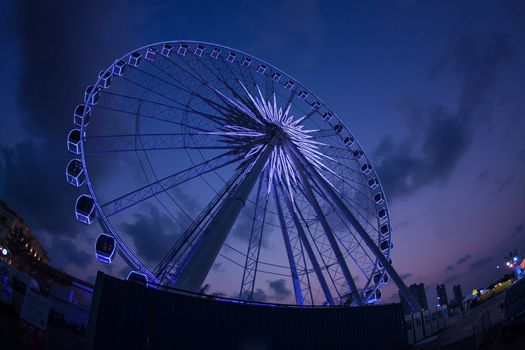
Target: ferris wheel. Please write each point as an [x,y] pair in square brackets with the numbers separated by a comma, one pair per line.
[233,160]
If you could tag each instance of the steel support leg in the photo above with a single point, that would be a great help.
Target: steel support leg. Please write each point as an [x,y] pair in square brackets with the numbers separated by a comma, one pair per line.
[299,298]
[310,196]
[343,209]
[308,247]
[199,264]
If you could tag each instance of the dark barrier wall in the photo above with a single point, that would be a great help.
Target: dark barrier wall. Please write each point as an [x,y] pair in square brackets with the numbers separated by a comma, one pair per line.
[127,315]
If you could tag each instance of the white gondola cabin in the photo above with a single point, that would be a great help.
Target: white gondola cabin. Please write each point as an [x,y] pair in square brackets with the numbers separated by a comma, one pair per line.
[366,168]
[89,98]
[315,105]
[73,141]
[303,95]
[134,59]
[231,57]
[137,276]
[85,209]
[105,248]
[81,114]
[246,62]
[215,53]
[119,67]
[261,69]
[105,79]
[151,53]
[166,50]
[373,183]
[385,245]
[378,198]
[382,214]
[327,116]
[199,50]
[75,174]
[183,48]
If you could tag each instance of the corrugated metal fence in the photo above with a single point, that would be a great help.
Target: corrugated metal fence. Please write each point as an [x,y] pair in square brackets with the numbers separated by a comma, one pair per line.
[127,315]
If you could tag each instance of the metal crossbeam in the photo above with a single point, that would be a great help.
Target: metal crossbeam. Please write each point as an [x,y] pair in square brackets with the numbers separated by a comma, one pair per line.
[148,191]
[151,142]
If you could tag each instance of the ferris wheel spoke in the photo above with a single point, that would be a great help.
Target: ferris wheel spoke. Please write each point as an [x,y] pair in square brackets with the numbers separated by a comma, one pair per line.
[139,195]
[322,133]
[165,88]
[102,144]
[152,109]
[254,244]
[225,100]
[353,203]
[239,103]
[222,79]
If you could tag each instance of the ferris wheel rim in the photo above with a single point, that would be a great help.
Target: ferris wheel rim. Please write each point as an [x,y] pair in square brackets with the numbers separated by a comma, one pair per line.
[107,224]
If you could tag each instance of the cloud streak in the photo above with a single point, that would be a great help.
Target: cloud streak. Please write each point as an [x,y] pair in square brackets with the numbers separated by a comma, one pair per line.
[463,259]
[432,150]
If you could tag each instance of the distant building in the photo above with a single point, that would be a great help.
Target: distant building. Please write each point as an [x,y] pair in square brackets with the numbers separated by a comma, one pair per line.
[458,295]
[442,294]
[18,245]
[418,291]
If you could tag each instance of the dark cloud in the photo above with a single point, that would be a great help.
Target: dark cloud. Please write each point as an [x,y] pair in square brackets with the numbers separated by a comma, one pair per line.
[33,182]
[394,298]
[218,267]
[151,233]
[450,279]
[449,268]
[67,252]
[518,230]
[59,53]
[500,182]
[484,175]
[480,263]
[259,295]
[432,150]
[91,278]
[463,259]
[278,289]
[404,276]
[243,225]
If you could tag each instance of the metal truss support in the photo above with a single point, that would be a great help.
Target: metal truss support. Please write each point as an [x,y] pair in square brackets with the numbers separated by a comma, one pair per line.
[308,247]
[254,245]
[132,198]
[299,297]
[348,215]
[195,271]
[310,196]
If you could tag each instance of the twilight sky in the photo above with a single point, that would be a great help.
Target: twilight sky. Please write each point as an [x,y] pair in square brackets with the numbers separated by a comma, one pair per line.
[433,90]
